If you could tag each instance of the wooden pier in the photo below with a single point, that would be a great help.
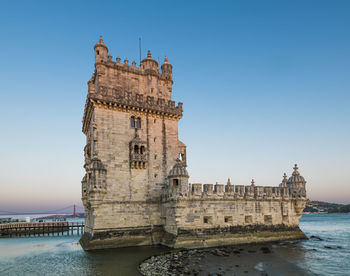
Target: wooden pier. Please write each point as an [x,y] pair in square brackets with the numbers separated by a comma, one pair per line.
[36,229]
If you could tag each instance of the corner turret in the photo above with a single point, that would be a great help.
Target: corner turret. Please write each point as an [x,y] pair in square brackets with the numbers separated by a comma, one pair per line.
[101,51]
[149,64]
[296,183]
[167,69]
[178,180]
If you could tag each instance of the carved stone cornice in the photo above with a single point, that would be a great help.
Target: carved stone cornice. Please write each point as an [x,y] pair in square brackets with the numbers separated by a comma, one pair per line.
[134,101]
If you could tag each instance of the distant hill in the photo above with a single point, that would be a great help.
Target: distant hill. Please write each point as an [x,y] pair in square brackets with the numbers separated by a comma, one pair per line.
[326,207]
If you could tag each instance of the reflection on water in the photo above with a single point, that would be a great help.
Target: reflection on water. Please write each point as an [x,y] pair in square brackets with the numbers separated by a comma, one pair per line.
[64,256]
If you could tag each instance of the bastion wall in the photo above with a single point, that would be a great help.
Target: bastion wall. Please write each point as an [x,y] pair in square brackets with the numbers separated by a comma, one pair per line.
[136,190]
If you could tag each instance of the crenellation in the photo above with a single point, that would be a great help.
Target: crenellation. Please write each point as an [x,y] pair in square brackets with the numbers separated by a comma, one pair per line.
[197,189]
[249,192]
[268,193]
[207,189]
[231,192]
[239,191]
[219,189]
[135,190]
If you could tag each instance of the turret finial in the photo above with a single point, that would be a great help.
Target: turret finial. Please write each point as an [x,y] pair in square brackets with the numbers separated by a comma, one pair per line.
[101,40]
[253,182]
[296,172]
[165,59]
[285,177]
[284,180]
[149,54]
[228,181]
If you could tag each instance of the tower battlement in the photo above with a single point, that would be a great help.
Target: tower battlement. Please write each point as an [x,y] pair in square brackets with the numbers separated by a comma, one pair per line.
[136,187]
[233,192]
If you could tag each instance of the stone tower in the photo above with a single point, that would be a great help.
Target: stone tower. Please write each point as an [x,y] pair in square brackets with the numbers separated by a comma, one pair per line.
[136,190]
[130,123]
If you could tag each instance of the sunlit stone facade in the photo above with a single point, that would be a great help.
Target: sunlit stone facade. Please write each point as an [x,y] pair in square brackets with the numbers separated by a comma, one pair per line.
[136,190]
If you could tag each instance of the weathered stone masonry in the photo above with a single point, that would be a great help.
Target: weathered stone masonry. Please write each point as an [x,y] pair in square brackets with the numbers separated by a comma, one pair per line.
[136,191]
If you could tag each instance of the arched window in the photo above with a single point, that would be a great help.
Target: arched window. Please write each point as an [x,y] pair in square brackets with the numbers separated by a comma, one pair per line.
[132,122]
[142,149]
[136,149]
[138,122]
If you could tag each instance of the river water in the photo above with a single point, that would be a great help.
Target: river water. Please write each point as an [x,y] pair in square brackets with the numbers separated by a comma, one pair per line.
[64,256]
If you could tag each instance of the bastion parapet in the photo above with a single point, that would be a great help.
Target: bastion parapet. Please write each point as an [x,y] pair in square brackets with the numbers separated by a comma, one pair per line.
[136,188]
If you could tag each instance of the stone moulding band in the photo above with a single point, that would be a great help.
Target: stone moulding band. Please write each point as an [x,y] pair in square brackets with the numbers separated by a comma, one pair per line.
[136,101]
[157,108]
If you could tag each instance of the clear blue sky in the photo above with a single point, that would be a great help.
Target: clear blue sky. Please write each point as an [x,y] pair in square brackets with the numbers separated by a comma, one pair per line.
[265,84]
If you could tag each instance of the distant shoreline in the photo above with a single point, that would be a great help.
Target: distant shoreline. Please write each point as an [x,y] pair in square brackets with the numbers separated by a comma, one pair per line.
[324,213]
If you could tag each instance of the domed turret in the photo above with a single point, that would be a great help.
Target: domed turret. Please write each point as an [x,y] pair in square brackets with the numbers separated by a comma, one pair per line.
[178,179]
[96,177]
[101,51]
[148,63]
[296,183]
[167,69]
[179,170]
[296,178]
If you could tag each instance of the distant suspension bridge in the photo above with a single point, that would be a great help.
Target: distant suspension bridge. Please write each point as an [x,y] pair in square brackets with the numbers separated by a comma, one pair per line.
[54,228]
[71,209]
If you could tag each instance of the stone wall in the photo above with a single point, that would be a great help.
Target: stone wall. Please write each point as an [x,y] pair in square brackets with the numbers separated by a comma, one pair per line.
[122,187]
[136,191]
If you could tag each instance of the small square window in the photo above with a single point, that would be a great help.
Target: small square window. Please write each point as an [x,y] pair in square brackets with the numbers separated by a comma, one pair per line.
[207,220]
[248,219]
[268,219]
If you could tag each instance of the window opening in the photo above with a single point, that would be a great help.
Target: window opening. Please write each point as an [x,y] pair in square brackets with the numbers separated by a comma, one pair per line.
[175,182]
[132,122]
[248,219]
[138,123]
[207,220]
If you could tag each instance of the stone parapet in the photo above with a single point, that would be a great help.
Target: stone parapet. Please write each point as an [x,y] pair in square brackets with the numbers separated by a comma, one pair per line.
[198,190]
[125,67]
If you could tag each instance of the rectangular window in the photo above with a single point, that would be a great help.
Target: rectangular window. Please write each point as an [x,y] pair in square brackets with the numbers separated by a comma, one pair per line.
[228,219]
[248,219]
[207,220]
[138,123]
[268,219]
[175,182]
